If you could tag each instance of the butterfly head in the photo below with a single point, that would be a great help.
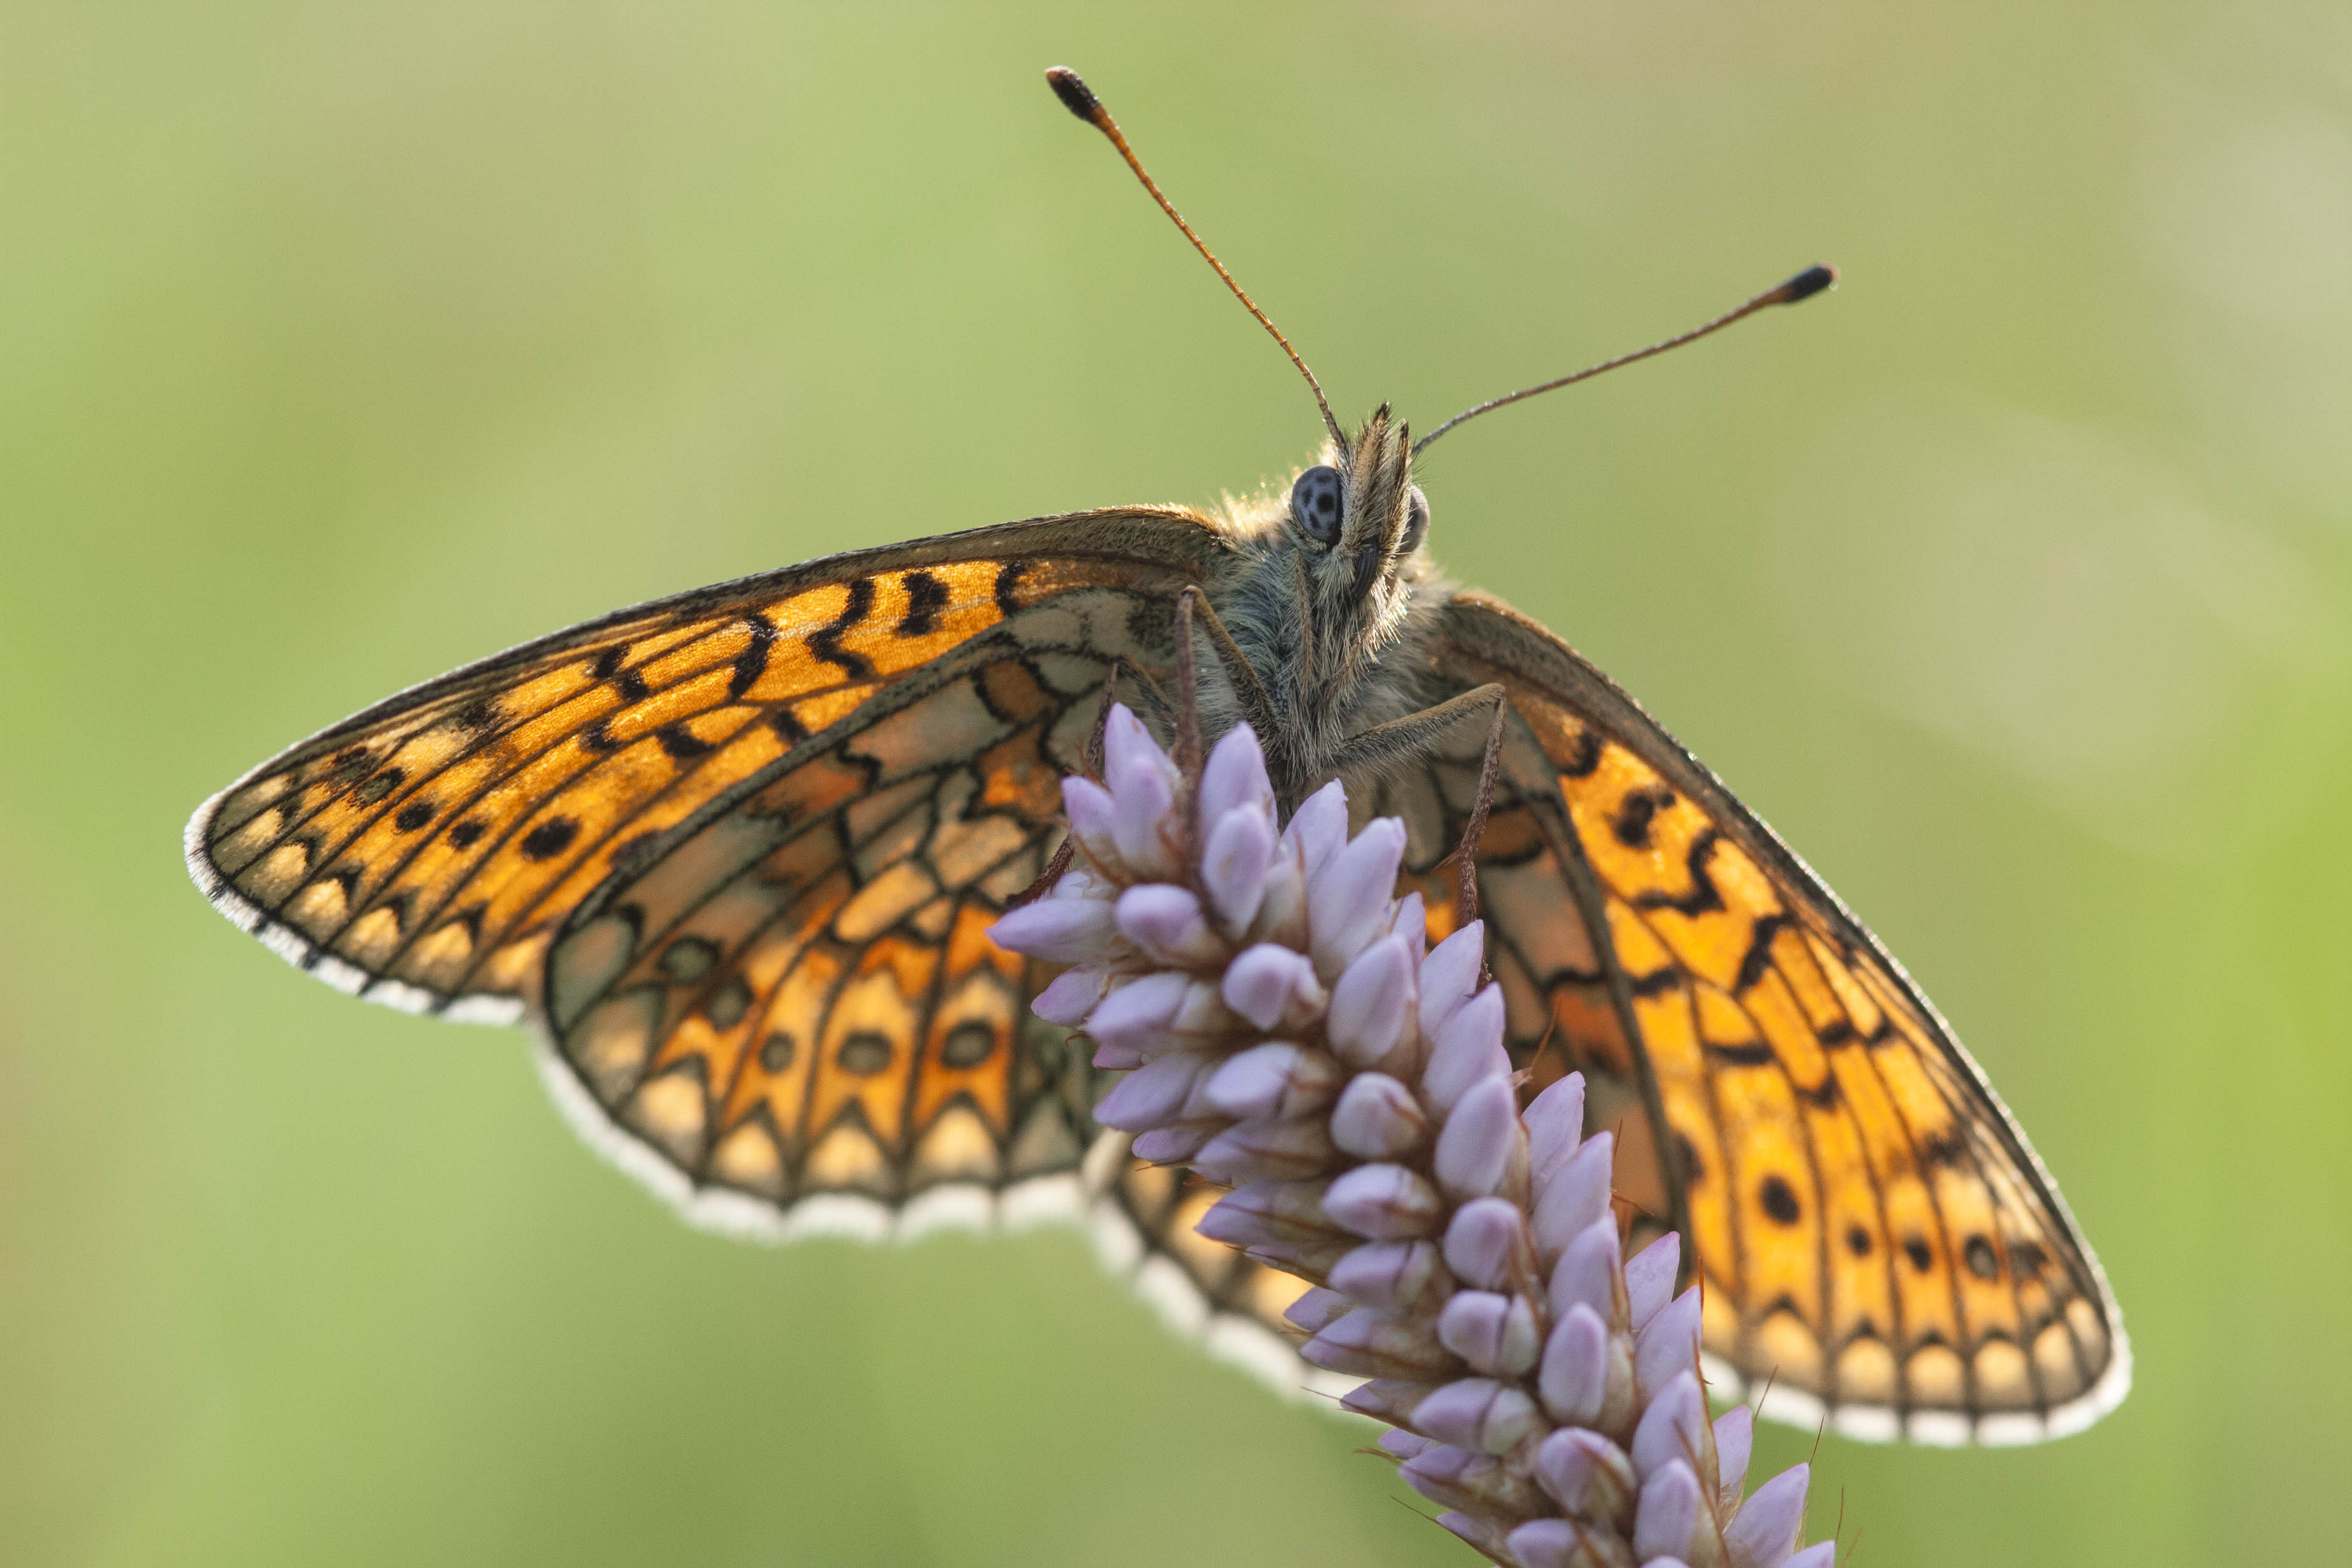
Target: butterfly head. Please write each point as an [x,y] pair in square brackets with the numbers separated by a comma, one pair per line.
[1358,519]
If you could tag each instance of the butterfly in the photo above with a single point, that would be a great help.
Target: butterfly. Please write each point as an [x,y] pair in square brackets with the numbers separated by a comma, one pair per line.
[734,855]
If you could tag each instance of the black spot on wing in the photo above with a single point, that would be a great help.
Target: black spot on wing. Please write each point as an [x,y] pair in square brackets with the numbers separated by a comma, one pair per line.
[925,597]
[1008,586]
[1701,896]
[412,815]
[1634,814]
[1758,956]
[549,838]
[826,641]
[752,662]
[680,742]
[1583,755]
[628,682]
[1656,982]
[1779,1201]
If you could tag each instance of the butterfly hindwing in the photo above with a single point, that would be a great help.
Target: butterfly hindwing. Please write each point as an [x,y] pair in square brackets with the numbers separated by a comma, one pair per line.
[1872,1231]
[797,998]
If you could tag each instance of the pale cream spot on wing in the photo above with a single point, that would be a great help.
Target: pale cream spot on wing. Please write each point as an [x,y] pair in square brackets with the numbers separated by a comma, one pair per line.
[958,1146]
[611,1045]
[669,1110]
[847,1157]
[747,1158]
[1936,1376]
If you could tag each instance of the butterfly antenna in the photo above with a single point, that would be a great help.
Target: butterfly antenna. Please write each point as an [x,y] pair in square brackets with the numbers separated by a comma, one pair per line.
[1080,99]
[1803,285]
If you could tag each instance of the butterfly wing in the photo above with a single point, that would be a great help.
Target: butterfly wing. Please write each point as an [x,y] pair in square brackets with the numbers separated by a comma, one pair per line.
[1873,1232]
[423,852]
[735,851]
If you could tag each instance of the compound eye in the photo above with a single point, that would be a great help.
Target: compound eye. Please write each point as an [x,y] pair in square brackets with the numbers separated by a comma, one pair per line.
[1315,502]
[1416,520]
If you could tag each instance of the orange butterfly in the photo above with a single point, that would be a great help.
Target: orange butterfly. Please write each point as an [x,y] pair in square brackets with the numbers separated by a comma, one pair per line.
[735,853]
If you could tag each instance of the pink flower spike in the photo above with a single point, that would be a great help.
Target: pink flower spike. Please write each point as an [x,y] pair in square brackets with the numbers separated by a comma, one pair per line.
[1143,791]
[1071,997]
[1349,900]
[1586,1272]
[1672,1429]
[1478,1530]
[1669,1346]
[1449,974]
[1169,1145]
[1389,1276]
[1117,1059]
[1587,1473]
[1270,984]
[1276,1079]
[1139,1014]
[1379,1344]
[1269,1149]
[1059,930]
[1476,1148]
[1154,1094]
[1377,1118]
[1477,1413]
[1546,1543]
[1574,1375]
[1370,1003]
[1667,1513]
[1577,1195]
[1496,1334]
[1554,1126]
[1403,1445]
[1735,1436]
[1263,1211]
[1384,1203]
[1821,1554]
[1235,864]
[1486,1243]
[1165,921]
[1092,814]
[1412,922]
[1319,827]
[1469,1047]
[1318,1307]
[1764,1532]
[1233,778]
[1650,1278]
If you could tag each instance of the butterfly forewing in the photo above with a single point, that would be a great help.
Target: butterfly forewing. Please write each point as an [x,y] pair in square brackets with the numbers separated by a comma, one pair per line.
[1872,1231]
[423,852]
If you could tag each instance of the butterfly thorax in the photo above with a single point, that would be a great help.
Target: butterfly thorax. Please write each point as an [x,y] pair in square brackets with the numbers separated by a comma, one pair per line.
[1337,629]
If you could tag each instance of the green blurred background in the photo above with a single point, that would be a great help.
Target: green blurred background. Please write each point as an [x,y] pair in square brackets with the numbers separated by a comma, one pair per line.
[339,345]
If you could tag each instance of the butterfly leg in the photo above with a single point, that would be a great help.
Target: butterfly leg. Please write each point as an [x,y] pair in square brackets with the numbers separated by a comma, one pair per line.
[1257,707]
[1417,733]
